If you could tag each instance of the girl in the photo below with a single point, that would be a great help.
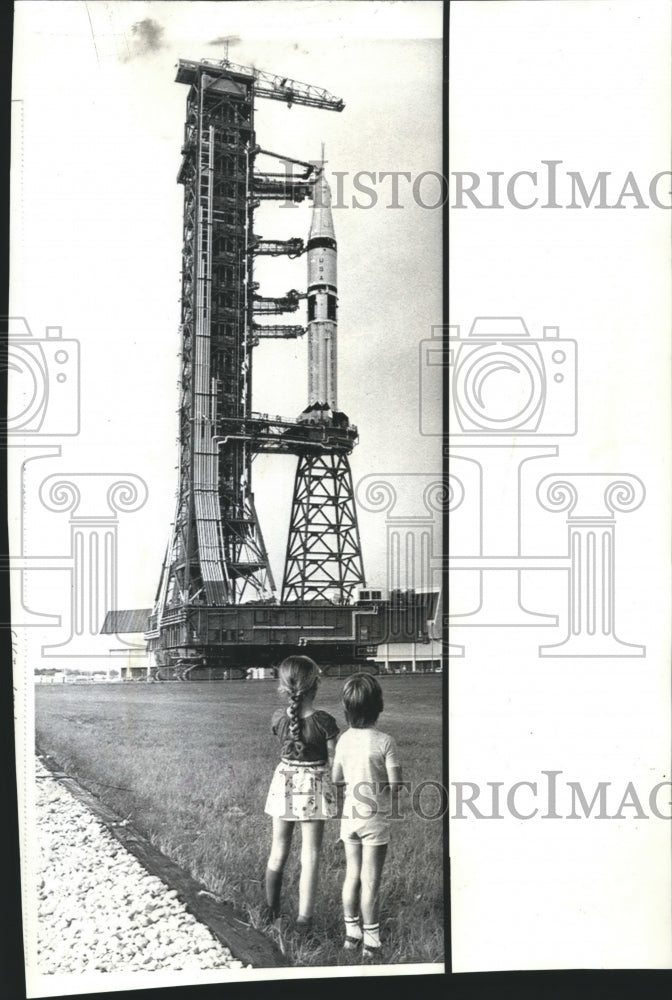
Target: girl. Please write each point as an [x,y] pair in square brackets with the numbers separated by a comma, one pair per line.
[367,763]
[301,790]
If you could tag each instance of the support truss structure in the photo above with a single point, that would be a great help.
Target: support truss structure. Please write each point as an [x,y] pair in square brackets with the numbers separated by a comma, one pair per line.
[324,555]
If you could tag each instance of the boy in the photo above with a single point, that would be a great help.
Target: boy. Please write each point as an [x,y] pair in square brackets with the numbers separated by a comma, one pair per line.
[367,763]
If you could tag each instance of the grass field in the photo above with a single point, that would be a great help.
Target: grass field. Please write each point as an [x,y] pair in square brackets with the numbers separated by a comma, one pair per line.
[189,765]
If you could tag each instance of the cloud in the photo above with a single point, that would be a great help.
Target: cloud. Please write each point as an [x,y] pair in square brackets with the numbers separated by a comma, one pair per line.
[147,38]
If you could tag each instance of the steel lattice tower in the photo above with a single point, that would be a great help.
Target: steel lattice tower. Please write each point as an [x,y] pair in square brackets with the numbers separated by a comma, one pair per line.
[324,554]
[217,551]
[216,558]
[215,614]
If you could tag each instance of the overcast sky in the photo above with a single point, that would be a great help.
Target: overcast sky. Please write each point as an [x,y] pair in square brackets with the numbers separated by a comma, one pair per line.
[97,231]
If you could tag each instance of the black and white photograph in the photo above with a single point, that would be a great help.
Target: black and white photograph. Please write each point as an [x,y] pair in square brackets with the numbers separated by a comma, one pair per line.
[226,490]
[339,485]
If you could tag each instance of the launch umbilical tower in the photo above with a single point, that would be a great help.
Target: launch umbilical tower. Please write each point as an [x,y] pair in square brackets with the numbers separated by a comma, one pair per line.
[216,557]
[216,611]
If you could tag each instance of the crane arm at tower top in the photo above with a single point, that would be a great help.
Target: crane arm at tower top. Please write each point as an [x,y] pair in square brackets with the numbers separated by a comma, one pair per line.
[269,85]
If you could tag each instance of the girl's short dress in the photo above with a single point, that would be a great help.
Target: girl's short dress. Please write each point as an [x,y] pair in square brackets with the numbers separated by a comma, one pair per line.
[301,787]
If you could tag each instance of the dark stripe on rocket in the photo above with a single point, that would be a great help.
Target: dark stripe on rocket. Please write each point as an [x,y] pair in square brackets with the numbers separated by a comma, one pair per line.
[321,241]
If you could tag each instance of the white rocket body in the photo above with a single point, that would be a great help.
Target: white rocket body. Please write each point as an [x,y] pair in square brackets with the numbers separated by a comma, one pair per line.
[322,300]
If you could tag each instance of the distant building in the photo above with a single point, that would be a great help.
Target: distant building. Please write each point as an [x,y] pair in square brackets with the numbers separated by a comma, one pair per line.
[49,675]
[421,657]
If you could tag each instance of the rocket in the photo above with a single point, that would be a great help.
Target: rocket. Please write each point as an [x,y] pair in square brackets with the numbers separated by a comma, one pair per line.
[322,293]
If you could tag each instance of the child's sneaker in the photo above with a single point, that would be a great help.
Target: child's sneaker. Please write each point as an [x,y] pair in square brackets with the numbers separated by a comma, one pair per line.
[371,949]
[370,954]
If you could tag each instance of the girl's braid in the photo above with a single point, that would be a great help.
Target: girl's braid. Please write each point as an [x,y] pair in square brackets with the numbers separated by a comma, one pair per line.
[295,699]
[299,676]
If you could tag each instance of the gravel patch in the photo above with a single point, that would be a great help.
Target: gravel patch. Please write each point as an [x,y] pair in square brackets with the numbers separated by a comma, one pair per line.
[98,909]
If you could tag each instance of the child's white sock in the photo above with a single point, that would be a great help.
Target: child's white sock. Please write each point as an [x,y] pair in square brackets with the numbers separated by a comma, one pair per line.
[352,929]
[372,935]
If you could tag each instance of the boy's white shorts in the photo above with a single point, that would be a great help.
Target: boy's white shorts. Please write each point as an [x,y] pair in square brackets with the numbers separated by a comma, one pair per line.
[373,831]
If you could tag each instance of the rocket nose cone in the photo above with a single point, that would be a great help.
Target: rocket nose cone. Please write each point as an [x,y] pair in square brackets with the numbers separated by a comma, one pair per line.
[322,191]
[322,223]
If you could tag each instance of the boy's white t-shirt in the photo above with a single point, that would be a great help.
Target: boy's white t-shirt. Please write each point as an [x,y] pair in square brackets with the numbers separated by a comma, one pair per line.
[363,760]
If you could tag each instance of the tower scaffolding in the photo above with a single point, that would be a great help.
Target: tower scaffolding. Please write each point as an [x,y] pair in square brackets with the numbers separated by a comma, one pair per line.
[216,611]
